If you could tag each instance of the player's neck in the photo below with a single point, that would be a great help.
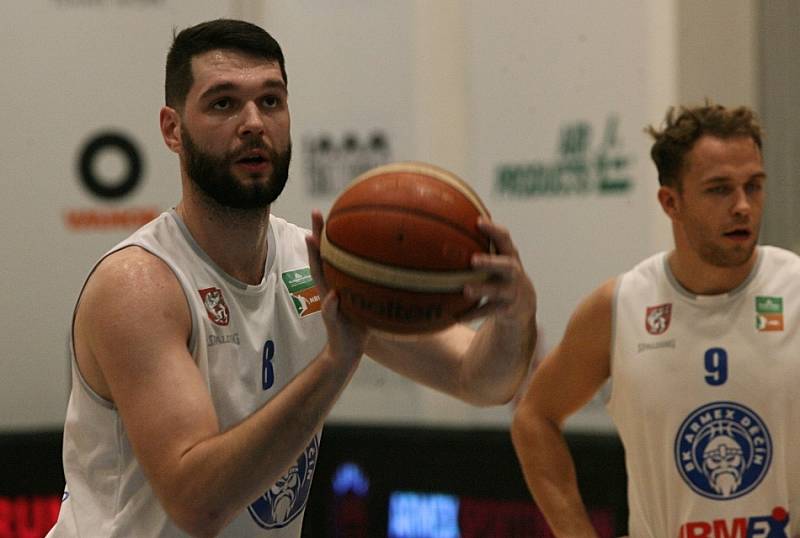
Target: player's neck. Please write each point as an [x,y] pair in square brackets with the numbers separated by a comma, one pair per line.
[235,239]
[702,278]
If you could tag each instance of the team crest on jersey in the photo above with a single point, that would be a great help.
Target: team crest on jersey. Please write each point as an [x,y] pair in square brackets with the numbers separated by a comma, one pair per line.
[657,318]
[303,291]
[216,308]
[286,499]
[723,450]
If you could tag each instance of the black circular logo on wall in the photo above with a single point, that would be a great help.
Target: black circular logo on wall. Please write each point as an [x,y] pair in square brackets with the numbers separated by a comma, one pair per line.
[110,187]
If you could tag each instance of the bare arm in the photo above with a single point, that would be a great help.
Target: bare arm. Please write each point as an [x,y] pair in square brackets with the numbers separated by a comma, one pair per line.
[484,367]
[565,381]
[131,333]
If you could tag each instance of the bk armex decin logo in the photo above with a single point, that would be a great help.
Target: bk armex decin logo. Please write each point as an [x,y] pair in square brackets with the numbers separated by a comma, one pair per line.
[286,499]
[723,450]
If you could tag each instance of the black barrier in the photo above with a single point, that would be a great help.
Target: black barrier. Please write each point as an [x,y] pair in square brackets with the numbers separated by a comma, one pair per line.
[31,483]
[364,477]
[472,472]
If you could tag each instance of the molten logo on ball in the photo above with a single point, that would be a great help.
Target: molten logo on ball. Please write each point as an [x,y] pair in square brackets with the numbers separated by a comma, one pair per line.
[393,309]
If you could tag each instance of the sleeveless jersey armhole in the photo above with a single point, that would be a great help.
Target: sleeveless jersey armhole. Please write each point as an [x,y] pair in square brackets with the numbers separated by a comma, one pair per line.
[609,397]
[191,344]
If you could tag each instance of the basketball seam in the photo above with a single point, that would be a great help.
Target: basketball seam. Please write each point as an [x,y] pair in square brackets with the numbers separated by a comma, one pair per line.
[411,211]
[394,277]
[443,175]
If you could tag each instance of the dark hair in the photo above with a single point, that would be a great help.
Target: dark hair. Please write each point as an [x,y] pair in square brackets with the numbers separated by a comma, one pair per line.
[684,126]
[217,34]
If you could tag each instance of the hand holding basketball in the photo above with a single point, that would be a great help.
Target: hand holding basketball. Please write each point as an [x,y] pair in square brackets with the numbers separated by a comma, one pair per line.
[345,339]
[410,248]
[508,292]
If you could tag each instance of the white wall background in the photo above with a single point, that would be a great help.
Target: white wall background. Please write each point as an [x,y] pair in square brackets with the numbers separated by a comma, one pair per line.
[455,83]
[71,68]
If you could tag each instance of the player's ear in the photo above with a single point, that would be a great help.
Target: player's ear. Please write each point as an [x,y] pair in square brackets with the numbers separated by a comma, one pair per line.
[170,123]
[668,198]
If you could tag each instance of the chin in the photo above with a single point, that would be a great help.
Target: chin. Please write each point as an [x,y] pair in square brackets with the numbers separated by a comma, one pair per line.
[730,257]
[742,256]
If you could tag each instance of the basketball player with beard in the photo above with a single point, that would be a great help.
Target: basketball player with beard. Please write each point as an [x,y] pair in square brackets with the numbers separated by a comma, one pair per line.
[701,345]
[199,387]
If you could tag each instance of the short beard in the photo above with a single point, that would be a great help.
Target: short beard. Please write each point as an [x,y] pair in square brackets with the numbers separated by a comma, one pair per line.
[213,176]
[730,257]
[725,258]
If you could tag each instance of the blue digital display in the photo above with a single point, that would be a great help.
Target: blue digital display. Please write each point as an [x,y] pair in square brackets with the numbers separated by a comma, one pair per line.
[423,515]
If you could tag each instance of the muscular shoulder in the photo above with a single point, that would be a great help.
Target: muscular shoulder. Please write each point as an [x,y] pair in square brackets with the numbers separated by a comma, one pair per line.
[131,294]
[133,277]
[131,300]
[588,334]
[596,307]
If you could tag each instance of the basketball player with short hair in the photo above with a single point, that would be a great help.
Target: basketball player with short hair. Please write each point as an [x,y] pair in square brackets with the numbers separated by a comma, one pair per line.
[701,345]
[200,385]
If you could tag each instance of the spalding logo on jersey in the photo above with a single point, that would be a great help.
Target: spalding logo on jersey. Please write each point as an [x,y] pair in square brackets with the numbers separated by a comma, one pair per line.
[657,318]
[285,500]
[723,450]
[216,308]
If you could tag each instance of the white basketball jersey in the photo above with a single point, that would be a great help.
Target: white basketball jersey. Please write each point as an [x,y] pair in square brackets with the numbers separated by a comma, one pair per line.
[705,397]
[248,342]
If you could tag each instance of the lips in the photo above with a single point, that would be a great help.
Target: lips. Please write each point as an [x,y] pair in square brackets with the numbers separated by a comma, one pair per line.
[253,157]
[738,233]
[253,161]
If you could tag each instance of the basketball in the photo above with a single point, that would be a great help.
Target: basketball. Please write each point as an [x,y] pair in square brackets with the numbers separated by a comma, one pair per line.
[397,246]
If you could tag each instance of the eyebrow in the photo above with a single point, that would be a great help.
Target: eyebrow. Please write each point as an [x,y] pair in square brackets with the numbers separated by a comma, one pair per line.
[224,87]
[725,179]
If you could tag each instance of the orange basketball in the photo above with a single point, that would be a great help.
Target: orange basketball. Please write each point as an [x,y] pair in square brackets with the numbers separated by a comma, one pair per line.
[397,247]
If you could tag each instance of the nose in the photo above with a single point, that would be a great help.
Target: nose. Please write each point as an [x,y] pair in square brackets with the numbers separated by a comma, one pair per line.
[741,203]
[252,122]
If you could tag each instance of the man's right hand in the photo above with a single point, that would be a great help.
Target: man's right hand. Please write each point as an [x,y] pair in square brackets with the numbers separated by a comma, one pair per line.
[346,338]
